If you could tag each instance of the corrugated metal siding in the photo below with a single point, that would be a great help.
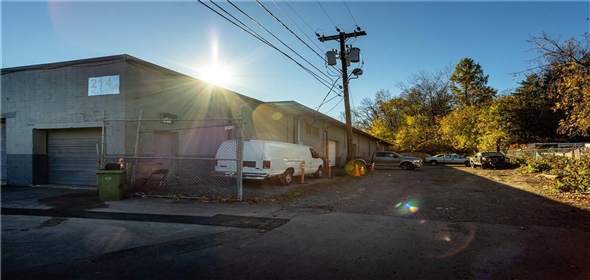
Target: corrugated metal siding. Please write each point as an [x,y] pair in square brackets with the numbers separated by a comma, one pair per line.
[72,155]
[3,151]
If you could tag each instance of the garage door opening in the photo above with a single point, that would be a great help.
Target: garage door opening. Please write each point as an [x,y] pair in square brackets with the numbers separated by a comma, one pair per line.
[72,156]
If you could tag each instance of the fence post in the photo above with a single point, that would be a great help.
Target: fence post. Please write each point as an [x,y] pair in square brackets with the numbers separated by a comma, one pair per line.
[240,154]
[136,150]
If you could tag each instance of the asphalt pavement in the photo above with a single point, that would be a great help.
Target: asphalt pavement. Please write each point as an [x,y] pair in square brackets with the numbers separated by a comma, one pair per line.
[66,233]
[44,225]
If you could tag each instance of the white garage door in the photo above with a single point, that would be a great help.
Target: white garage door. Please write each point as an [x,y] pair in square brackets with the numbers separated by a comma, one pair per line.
[332,152]
[72,156]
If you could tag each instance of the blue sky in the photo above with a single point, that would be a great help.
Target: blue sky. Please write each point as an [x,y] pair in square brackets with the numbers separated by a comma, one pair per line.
[402,38]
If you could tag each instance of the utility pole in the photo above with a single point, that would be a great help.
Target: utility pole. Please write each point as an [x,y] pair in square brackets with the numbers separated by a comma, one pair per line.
[342,36]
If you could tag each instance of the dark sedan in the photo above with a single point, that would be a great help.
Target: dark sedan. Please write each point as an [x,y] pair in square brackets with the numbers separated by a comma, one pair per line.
[489,160]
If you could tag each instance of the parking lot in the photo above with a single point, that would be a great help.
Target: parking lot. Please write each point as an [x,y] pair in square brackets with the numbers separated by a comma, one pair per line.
[449,222]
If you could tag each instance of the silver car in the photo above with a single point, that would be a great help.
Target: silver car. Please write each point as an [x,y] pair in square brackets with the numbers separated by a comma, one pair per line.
[393,159]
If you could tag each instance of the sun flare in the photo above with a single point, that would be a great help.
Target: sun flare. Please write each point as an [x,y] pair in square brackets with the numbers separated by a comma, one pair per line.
[216,74]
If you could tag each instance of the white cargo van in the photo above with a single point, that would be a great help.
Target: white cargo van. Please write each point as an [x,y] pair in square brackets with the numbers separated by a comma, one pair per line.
[268,159]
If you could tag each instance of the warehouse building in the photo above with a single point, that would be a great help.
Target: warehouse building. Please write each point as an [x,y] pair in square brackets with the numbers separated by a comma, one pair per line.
[55,119]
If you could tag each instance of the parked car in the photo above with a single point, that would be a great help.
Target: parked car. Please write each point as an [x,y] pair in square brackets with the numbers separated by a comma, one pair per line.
[447,158]
[489,160]
[392,159]
[268,160]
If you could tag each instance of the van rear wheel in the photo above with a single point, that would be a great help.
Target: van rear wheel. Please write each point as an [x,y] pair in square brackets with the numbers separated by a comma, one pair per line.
[287,177]
[320,173]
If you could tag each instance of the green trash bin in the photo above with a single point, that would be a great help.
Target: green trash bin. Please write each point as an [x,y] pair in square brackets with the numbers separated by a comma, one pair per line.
[111,184]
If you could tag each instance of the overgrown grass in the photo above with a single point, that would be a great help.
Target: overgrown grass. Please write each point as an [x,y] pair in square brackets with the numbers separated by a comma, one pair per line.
[573,174]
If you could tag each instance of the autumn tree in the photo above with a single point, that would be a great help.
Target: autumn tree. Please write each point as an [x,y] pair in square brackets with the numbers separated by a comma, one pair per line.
[428,94]
[364,115]
[369,110]
[381,117]
[415,134]
[568,63]
[469,84]
[459,128]
[380,130]
[493,127]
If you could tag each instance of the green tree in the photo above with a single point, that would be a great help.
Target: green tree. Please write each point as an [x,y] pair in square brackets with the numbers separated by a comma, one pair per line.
[529,109]
[469,84]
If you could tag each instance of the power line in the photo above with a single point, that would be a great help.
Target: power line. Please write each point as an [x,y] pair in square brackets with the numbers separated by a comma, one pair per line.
[301,19]
[286,27]
[327,14]
[291,31]
[334,106]
[299,30]
[312,30]
[317,109]
[269,44]
[261,26]
[257,35]
[322,103]
[351,99]
[350,13]
[332,66]
[319,55]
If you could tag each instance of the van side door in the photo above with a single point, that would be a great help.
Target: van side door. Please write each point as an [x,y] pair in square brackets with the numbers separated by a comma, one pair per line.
[312,163]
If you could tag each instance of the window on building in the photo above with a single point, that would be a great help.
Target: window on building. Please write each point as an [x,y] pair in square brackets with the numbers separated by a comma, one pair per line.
[312,131]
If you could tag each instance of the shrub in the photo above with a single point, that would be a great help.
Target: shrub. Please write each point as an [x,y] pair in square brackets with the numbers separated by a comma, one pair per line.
[537,166]
[574,173]
[550,164]
[521,160]
[575,176]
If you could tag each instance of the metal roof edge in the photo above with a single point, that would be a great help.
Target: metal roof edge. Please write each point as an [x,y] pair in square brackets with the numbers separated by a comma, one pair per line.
[305,109]
[122,57]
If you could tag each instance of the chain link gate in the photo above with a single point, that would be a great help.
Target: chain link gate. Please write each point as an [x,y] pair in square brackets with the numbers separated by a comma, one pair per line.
[174,158]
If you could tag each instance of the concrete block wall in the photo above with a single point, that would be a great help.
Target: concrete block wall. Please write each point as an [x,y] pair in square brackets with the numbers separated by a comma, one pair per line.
[272,124]
[154,91]
[38,98]
[51,98]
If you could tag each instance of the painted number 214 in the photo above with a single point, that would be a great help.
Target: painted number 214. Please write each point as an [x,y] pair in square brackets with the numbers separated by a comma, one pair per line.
[99,82]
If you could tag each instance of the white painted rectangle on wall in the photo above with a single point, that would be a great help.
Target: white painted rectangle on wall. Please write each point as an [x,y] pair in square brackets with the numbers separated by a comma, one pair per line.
[103,85]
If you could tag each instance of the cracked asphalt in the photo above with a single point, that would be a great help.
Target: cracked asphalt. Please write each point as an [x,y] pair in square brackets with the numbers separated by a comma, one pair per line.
[441,222]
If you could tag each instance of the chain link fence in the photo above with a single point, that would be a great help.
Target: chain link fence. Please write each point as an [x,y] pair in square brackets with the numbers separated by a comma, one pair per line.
[173,158]
[572,152]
